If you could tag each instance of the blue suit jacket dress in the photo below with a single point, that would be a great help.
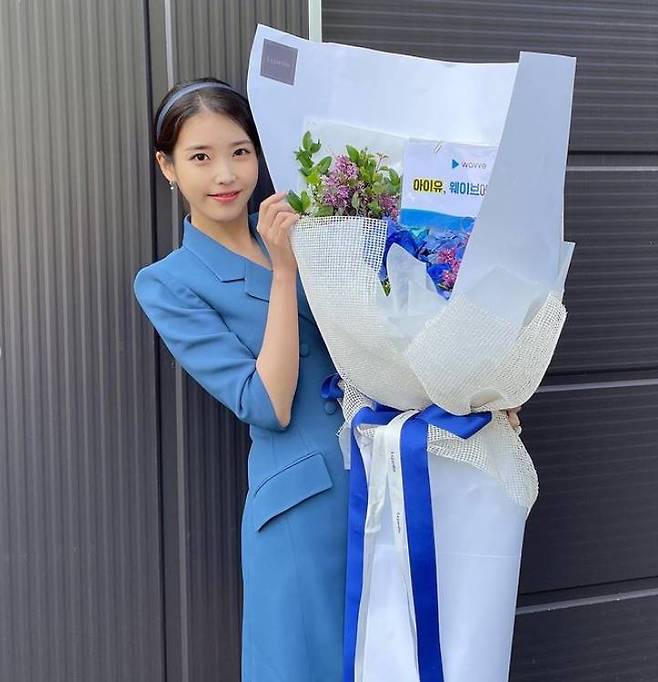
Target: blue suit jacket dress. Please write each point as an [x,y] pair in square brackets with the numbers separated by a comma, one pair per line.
[210,306]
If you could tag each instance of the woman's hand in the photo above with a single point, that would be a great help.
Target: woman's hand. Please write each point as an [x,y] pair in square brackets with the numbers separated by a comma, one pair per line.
[513,417]
[275,219]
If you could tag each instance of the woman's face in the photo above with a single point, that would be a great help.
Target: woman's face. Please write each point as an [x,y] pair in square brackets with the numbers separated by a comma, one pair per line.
[214,157]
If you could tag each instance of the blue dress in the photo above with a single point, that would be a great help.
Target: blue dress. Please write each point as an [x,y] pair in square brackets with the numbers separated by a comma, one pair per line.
[210,306]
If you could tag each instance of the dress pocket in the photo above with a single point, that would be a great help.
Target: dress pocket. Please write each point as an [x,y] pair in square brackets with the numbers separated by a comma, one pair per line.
[289,486]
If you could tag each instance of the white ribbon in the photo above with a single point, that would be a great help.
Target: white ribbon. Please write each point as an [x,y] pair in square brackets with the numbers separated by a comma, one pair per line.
[387,651]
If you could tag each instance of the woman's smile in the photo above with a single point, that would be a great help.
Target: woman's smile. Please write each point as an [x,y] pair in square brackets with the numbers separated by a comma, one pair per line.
[225,197]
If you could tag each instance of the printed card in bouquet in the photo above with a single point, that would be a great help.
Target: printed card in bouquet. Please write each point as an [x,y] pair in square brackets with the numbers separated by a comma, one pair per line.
[443,184]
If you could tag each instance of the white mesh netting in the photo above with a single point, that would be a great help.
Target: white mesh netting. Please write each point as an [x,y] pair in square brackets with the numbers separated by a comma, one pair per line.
[495,449]
[464,359]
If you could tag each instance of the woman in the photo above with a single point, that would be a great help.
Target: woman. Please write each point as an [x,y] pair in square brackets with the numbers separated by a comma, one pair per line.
[229,306]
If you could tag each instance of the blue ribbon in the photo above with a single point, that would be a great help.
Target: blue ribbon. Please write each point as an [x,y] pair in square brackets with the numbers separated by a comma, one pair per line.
[420,527]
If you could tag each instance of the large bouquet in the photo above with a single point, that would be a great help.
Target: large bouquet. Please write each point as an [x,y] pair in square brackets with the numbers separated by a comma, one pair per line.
[435,327]
[417,384]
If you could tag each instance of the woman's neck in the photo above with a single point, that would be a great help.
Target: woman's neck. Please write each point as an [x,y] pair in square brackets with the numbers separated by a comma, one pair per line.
[234,234]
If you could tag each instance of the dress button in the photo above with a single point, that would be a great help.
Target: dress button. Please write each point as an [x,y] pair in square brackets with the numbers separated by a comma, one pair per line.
[303,349]
[330,406]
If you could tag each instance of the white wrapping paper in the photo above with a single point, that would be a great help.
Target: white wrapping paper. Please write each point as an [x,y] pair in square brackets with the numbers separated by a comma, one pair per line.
[487,349]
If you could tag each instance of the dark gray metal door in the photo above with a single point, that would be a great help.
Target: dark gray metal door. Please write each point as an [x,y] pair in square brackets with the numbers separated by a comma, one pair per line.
[80,517]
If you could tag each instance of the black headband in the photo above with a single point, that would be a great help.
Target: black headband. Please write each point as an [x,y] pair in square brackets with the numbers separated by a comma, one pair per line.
[186,90]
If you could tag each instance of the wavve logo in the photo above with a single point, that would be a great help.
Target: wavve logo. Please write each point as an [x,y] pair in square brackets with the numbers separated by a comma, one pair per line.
[469,164]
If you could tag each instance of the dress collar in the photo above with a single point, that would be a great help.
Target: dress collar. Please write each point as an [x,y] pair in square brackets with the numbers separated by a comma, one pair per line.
[230,266]
[226,264]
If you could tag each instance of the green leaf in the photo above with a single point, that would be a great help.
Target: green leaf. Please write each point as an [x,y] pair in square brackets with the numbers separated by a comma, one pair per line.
[306,201]
[313,177]
[353,153]
[356,200]
[315,147]
[375,209]
[307,141]
[324,211]
[324,165]
[395,178]
[295,202]
[305,160]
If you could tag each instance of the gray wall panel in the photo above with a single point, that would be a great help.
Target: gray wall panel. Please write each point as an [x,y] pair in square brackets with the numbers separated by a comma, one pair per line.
[80,574]
[607,641]
[612,290]
[214,38]
[596,453]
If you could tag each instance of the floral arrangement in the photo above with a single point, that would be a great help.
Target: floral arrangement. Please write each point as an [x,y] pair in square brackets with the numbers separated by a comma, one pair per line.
[358,183]
[353,184]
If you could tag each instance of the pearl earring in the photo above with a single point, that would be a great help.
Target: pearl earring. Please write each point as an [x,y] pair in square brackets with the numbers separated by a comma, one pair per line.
[172,185]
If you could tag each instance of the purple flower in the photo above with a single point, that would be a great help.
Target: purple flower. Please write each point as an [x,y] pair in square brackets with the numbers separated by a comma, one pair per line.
[389,205]
[333,192]
[348,169]
[387,202]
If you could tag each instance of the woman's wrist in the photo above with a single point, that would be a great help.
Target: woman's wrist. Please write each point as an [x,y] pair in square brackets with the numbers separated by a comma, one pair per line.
[284,273]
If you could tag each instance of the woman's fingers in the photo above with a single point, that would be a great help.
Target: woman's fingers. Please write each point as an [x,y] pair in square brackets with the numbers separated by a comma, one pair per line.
[281,227]
[513,417]
[266,212]
[268,217]
[284,218]
[274,219]
[272,199]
